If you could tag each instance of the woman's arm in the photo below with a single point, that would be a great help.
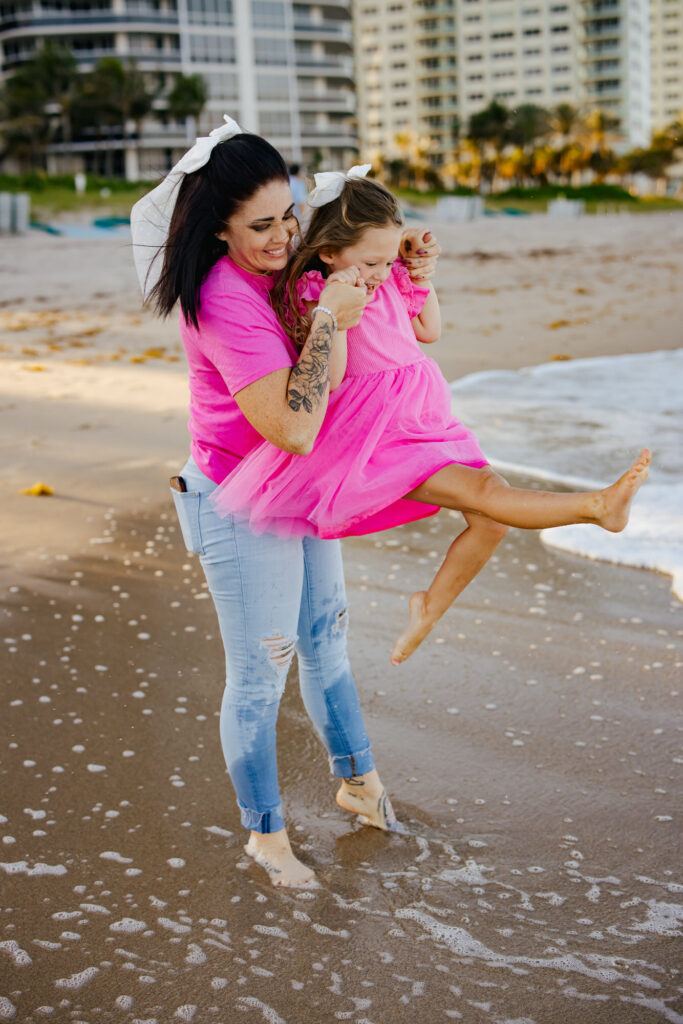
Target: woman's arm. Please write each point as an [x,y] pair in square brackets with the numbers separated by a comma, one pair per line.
[287,407]
[427,323]
[338,355]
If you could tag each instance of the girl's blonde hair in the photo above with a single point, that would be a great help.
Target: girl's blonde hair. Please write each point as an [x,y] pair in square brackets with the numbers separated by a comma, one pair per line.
[363,203]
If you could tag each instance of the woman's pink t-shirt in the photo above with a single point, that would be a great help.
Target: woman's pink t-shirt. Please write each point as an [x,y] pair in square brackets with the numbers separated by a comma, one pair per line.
[239,341]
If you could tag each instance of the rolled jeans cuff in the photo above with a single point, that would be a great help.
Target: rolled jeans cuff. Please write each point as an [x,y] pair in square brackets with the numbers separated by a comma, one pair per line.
[347,765]
[262,821]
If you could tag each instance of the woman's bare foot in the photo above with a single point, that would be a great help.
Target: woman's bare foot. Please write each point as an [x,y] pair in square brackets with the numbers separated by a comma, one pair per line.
[273,852]
[419,626]
[615,501]
[365,796]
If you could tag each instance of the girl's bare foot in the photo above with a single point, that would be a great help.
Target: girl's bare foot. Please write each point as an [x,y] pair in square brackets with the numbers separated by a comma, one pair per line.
[273,852]
[365,796]
[418,628]
[616,500]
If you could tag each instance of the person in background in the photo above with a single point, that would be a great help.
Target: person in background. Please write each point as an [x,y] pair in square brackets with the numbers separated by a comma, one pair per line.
[298,189]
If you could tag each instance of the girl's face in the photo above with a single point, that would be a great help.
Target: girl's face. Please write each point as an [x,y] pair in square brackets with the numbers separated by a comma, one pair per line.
[373,254]
[259,232]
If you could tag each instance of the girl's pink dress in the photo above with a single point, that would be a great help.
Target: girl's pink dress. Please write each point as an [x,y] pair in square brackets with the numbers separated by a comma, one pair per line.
[388,428]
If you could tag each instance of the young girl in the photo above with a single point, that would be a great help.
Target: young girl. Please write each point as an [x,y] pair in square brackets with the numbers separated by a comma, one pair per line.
[390,451]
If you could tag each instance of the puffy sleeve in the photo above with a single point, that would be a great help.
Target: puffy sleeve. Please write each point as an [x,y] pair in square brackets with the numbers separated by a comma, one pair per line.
[309,287]
[414,295]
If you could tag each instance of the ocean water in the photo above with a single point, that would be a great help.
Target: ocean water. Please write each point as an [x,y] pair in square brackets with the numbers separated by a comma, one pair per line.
[580,423]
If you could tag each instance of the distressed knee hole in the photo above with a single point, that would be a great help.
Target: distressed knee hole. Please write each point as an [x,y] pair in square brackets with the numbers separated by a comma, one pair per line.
[341,621]
[280,650]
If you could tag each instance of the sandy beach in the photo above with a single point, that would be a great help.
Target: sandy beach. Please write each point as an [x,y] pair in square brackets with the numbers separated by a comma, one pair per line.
[530,746]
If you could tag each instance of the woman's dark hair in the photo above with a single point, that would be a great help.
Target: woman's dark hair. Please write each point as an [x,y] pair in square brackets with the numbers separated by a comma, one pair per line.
[207,199]
[363,203]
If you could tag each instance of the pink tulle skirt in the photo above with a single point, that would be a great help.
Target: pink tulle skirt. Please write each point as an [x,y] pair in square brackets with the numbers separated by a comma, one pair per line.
[383,435]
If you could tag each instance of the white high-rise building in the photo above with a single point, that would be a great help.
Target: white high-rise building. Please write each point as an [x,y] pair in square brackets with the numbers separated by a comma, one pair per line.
[423,67]
[282,69]
[385,61]
[616,64]
[666,27]
[518,52]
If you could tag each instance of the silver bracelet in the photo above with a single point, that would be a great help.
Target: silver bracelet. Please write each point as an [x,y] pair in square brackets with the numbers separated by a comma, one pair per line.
[324,309]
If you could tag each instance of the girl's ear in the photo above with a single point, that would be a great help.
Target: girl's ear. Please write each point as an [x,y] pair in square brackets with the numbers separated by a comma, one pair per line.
[327,256]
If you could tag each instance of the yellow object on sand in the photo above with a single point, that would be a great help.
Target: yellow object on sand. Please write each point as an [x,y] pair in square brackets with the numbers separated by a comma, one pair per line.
[38,490]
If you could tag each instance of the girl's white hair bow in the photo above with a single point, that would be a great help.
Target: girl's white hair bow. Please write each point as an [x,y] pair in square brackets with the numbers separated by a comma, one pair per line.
[150,218]
[329,184]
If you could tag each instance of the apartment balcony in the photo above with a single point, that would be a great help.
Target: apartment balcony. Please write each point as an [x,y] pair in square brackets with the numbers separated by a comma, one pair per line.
[337,4]
[435,11]
[151,56]
[336,101]
[611,89]
[601,8]
[329,135]
[324,64]
[603,49]
[328,28]
[440,90]
[602,31]
[436,49]
[446,106]
[90,20]
[441,68]
[440,32]
[592,73]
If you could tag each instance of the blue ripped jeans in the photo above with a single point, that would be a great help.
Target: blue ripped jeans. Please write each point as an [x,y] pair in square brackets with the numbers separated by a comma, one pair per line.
[274,596]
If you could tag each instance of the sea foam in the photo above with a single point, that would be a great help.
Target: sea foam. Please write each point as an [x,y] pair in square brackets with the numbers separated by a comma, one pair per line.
[581,423]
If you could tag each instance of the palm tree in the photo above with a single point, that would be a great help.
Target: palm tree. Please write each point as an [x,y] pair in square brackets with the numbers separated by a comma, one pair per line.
[528,123]
[23,124]
[513,165]
[44,85]
[601,158]
[564,121]
[186,101]
[488,130]
[56,74]
[113,95]
[414,150]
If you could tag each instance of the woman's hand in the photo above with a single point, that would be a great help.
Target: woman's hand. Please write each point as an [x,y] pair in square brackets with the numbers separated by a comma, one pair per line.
[419,252]
[346,300]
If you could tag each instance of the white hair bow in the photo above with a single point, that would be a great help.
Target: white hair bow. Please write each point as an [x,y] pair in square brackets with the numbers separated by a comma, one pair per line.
[329,184]
[150,218]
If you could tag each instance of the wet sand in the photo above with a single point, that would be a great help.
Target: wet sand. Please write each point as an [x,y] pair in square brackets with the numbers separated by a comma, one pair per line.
[529,747]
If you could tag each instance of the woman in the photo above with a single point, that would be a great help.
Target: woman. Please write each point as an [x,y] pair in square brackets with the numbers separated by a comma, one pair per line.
[221,224]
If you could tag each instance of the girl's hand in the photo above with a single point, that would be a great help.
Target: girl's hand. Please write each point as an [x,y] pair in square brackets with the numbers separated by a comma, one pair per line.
[346,301]
[419,252]
[350,275]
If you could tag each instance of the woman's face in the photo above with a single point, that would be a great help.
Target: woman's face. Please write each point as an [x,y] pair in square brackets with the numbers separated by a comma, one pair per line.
[259,232]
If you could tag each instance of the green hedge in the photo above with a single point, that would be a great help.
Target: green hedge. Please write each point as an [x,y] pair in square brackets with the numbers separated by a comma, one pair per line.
[37,182]
[594,193]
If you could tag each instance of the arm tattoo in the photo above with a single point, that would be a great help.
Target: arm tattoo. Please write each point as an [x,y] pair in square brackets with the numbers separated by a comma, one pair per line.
[312,372]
